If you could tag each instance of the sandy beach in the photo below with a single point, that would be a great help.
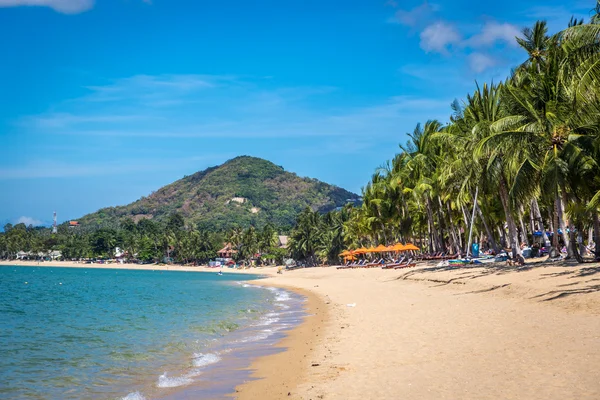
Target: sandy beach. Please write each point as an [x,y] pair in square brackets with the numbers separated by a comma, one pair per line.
[434,333]
[440,333]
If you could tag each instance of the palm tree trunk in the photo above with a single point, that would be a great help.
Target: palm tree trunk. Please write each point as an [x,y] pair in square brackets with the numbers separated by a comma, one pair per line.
[442,224]
[553,225]
[563,226]
[488,231]
[524,238]
[467,223]
[512,227]
[383,233]
[433,231]
[582,249]
[502,235]
[537,215]
[454,228]
[532,222]
[430,236]
[596,222]
[572,251]
[455,236]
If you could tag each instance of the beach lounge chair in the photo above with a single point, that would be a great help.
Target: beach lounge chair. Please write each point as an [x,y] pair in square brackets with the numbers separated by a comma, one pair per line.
[408,264]
[394,263]
[358,264]
[347,265]
[452,256]
[374,264]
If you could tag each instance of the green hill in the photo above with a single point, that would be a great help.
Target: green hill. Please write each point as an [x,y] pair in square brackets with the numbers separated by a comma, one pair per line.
[241,192]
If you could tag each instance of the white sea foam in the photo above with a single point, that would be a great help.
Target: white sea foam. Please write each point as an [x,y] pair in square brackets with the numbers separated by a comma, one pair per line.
[282,296]
[134,396]
[261,336]
[165,381]
[204,359]
[269,321]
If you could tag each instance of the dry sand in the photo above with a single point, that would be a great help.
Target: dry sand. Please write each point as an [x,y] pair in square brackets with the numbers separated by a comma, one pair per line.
[440,333]
[435,333]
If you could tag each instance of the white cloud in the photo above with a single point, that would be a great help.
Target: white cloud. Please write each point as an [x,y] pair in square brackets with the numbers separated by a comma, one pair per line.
[438,37]
[480,62]
[224,108]
[62,6]
[29,221]
[417,16]
[151,86]
[494,32]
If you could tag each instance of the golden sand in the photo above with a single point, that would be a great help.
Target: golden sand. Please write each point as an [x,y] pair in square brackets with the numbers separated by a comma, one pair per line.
[428,333]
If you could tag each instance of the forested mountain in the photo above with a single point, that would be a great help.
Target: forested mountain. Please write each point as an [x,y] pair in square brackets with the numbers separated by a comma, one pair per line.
[241,192]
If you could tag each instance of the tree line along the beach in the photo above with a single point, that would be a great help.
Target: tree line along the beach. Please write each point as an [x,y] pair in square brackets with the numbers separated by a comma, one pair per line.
[518,158]
[144,241]
[316,238]
[522,156]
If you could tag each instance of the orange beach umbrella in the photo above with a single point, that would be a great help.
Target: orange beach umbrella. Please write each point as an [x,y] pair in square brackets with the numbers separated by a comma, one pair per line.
[399,247]
[361,250]
[411,246]
[345,253]
[380,249]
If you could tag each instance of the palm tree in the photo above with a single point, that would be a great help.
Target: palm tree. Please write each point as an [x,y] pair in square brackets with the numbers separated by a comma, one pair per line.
[305,237]
[536,43]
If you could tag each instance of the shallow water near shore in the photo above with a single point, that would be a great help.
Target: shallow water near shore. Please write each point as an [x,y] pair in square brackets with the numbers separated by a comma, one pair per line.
[123,334]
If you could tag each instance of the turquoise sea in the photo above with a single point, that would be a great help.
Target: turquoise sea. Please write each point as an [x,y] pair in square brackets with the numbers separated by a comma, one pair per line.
[75,333]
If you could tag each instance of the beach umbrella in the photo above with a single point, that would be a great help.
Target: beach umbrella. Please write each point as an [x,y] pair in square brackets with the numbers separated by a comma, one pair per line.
[370,250]
[399,247]
[345,253]
[411,246]
[361,250]
[380,249]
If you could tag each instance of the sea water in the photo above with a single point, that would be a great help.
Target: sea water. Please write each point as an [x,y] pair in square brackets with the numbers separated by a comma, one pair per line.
[76,333]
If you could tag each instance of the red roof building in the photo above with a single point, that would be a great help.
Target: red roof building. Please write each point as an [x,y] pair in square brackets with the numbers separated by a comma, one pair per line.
[227,251]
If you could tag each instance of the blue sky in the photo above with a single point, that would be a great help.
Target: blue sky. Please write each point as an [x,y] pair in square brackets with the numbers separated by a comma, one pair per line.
[103,101]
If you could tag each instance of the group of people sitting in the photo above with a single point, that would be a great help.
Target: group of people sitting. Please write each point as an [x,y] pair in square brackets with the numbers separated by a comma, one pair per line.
[402,262]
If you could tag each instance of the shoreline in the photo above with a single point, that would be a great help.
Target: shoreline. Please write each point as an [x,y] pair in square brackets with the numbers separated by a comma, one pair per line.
[268,379]
[474,332]
[143,267]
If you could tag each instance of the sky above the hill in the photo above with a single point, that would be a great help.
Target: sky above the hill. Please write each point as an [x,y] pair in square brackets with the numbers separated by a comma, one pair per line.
[103,101]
